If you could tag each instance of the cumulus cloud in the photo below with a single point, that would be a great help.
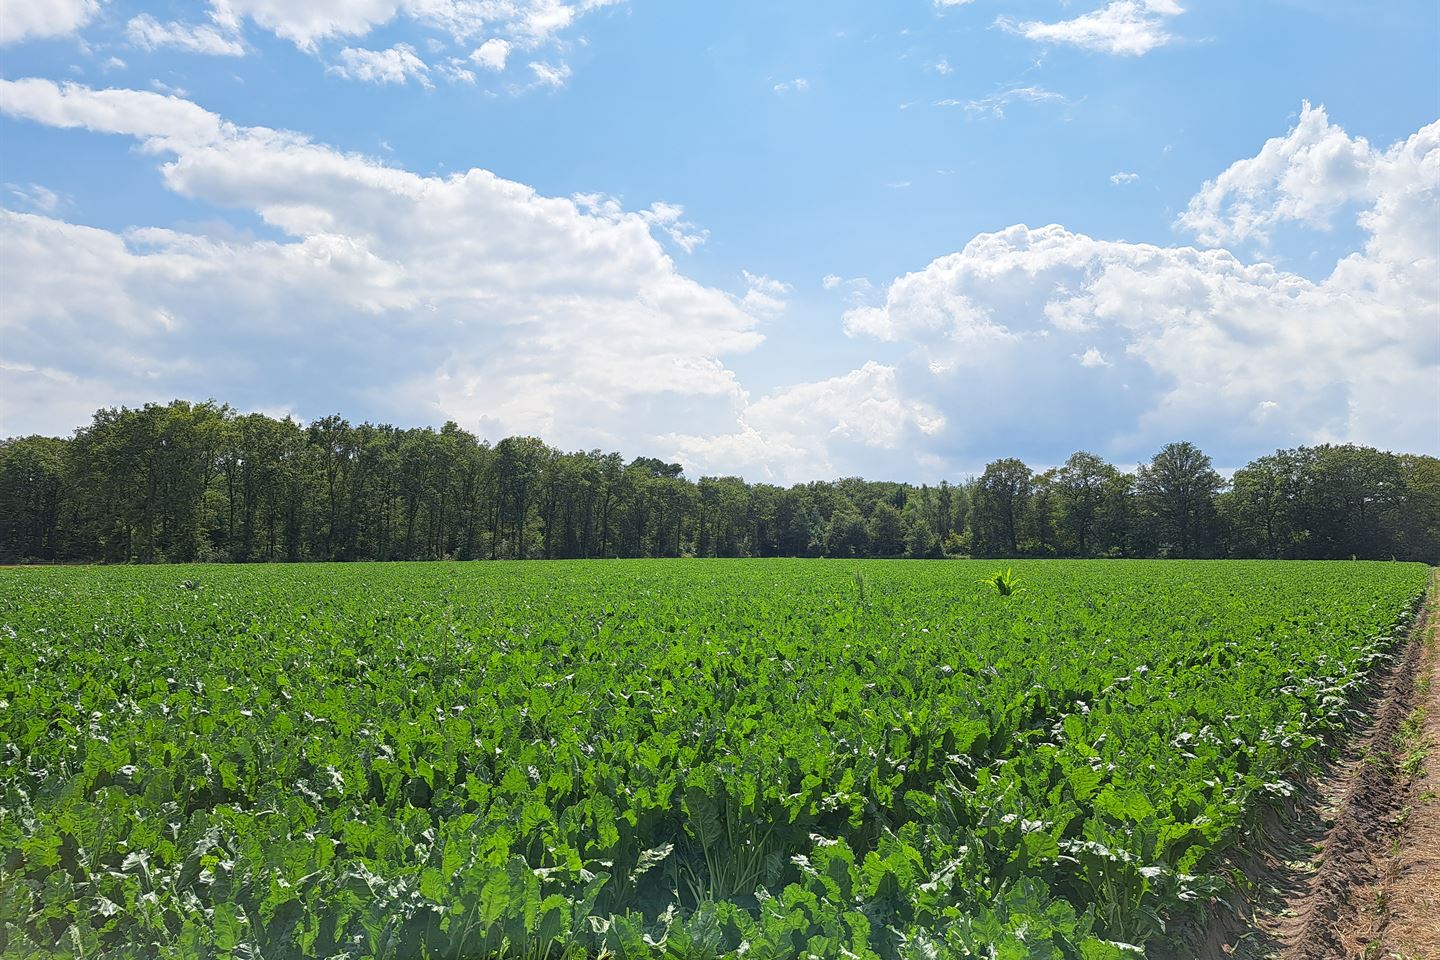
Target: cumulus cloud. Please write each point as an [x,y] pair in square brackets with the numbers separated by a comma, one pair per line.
[1124,27]
[798,85]
[38,19]
[147,32]
[816,429]
[162,122]
[395,65]
[1306,177]
[468,297]
[1188,342]
[667,218]
[306,23]
[1121,178]
[491,54]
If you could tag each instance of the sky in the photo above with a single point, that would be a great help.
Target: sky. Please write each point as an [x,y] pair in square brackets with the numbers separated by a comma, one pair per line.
[786,241]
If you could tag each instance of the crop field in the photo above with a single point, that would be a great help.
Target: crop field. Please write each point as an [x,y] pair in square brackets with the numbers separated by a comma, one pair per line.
[685,759]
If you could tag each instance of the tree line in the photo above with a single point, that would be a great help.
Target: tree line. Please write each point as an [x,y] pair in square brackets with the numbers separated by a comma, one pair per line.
[201,482]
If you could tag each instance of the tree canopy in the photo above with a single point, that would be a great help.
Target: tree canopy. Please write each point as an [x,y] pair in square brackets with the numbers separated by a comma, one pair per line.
[201,482]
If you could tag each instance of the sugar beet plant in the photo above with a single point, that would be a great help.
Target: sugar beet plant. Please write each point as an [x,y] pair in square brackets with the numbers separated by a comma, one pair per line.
[1005,582]
[644,759]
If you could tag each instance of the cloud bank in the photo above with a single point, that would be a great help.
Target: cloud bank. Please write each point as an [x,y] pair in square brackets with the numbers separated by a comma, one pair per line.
[1122,345]
[474,298]
[469,296]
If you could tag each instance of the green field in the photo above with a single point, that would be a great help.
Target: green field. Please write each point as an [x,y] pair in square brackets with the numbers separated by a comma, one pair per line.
[686,759]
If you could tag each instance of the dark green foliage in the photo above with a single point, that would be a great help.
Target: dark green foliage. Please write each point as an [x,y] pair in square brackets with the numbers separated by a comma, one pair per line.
[32,483]
[886,531]
[691,760]
[199,482]
[1001,497]
[1176,493]
[1335,501]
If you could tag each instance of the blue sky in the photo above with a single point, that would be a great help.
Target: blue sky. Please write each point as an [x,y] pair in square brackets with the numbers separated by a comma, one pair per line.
[781,240]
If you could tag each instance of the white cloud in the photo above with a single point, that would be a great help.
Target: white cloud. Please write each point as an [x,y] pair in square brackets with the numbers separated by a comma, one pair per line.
[811,430]
[1121,178]
[35,197]
[552,75]
[1125,27]
[995,104]
[32,398]
[421,298]
[455,69]
[304,24]
[38,19]
[942,67]
[395,65]
[530,22]
[454,26]
[667,217]
[147,32]
[544,18]
[160,86]
[1196,341]
[163,122]
[917,308]
[1306,176]
[492,54]
[797,85]
[424,298]
[764,297]
[857,290]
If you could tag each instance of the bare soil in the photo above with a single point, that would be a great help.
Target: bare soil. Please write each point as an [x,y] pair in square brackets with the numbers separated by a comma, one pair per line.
[1339,914]
[1408,897]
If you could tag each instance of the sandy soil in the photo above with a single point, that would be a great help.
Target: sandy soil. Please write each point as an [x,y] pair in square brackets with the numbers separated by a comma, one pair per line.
[1351,868]
[1374,891]
[1408,900]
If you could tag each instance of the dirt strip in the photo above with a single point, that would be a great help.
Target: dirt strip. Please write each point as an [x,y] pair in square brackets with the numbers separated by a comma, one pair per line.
[1347,866]
[1373,895]
[1408,899]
